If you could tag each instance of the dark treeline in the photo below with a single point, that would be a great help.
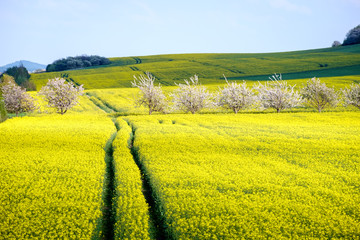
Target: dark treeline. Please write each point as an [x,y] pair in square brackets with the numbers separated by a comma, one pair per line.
[353,36]
[77,62]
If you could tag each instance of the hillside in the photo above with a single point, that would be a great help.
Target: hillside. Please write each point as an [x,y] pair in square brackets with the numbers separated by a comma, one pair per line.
[340,61]
[30,66]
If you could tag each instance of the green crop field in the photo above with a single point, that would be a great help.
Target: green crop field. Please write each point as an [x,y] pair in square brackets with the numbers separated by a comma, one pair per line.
[108,170]
[168,69]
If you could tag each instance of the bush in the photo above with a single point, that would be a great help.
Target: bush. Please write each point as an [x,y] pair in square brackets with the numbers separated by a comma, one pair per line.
[336,44]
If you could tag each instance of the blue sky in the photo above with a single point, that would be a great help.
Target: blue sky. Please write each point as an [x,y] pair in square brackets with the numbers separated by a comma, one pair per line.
[45,30]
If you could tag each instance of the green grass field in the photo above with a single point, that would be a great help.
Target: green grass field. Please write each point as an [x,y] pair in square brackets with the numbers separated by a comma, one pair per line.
[327,62]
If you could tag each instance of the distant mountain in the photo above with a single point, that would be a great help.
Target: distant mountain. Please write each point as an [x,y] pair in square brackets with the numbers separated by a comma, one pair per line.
[30,66]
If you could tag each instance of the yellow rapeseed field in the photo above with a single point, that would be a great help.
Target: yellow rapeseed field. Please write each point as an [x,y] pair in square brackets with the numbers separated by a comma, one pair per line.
[132,214]
[52,173]
[254,176]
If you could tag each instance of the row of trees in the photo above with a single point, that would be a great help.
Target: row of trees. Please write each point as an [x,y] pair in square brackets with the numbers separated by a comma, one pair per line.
[77,62]
[188,97]
[58,93]
[276,94]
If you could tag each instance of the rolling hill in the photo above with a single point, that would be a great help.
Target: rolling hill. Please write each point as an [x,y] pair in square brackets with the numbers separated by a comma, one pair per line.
[173,68]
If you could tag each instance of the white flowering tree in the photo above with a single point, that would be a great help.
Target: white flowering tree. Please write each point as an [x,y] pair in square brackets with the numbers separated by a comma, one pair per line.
[150,96]
[318,95]
[235,96]
[191,96]
[278,94]
[16,99]
[352,95]
[61,95]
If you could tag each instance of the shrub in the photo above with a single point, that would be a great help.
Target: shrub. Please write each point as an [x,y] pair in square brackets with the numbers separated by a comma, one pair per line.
[336,44]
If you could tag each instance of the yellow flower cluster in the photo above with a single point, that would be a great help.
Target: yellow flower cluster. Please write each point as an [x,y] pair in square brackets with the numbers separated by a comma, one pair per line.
[254,176]
[52,172]
[132,215]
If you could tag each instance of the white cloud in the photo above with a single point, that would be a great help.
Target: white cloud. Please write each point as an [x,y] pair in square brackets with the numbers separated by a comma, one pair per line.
[289,6]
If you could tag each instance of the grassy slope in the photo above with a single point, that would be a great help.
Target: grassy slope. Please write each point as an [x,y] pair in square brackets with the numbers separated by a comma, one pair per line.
[327,62]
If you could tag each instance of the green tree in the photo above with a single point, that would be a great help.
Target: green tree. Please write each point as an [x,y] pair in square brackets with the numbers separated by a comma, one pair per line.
[353,36]
[21,77]
[20,74]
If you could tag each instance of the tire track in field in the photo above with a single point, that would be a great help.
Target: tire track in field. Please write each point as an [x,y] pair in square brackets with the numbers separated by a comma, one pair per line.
[157,220]
[69,79]
[134,68]
[155,211]
[164,83]
[137,60]
[108,211]
[219,66]
[102,104]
